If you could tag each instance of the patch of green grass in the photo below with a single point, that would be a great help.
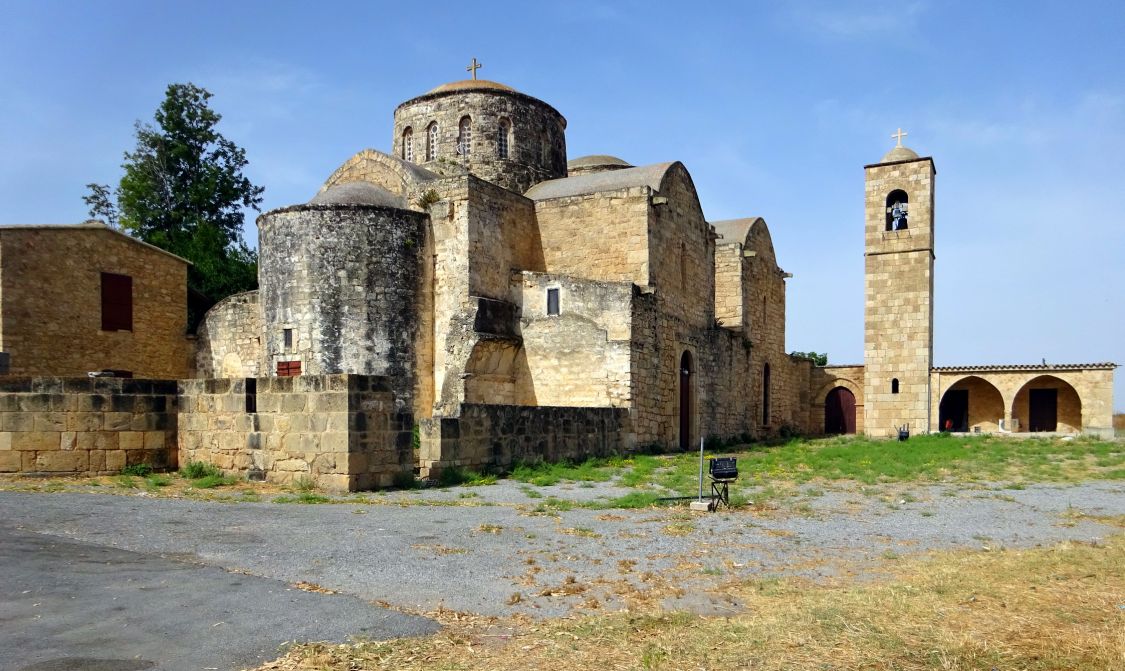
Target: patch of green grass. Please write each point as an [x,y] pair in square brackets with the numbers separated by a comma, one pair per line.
[552,506]
[155,481]
[303,483]
[125,481]
[630,500]
[212,481]
[304,497]
[195,470]
[139,470]
[544,474]
[455,475]
[531,493]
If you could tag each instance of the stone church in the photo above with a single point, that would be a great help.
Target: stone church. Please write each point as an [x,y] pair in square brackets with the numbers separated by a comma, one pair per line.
[477,289]
[463,265]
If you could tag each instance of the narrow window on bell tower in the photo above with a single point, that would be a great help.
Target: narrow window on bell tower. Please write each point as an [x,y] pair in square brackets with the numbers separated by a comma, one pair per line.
[894,386]
[898,205]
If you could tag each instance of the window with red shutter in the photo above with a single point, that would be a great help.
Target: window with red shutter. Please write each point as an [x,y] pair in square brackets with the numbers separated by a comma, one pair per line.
[288,368]
[117,302]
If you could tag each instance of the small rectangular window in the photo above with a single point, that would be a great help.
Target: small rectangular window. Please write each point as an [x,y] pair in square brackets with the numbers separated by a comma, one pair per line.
[288,368]
[251,394]
[117,302]
[552,301]
[287,337]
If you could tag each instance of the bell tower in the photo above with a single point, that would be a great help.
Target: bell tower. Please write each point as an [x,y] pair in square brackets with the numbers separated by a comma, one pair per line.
[898,291]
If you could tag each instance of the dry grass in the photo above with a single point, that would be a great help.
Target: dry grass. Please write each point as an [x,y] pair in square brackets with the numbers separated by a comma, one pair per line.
[1055,608]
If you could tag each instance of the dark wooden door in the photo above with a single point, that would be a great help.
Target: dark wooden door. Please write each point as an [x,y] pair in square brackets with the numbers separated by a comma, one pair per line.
[1043,409]
[953,413]
[839,411]
[685,401]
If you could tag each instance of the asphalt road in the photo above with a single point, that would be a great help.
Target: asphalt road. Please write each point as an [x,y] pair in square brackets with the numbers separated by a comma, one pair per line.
[67,605]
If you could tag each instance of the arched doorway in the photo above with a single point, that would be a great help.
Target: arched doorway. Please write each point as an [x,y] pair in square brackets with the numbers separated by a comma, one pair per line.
[687,369]
[971,403]
[1047,404]
[839,411]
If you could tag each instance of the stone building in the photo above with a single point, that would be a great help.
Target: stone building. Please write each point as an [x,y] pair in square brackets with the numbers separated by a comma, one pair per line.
[477,292]
[493,283]
[75,299]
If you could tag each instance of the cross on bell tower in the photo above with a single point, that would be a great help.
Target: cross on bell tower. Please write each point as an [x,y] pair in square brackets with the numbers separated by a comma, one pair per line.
[473,67]
[897,136]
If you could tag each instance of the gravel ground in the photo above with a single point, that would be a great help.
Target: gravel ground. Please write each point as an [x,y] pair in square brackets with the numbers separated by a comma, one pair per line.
[485,550]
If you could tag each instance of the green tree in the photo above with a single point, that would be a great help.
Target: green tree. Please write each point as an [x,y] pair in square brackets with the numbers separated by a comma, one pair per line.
[817,359]
[183,191]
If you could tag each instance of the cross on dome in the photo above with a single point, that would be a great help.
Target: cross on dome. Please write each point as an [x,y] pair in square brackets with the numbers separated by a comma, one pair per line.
[897,136]
[474,66]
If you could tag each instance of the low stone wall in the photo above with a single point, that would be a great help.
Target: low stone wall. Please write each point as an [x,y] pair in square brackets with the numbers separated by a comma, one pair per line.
[86,426]
[499,436]
[342,432]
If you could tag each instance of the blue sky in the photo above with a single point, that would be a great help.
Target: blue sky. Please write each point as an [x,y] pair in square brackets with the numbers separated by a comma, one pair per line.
[774,108]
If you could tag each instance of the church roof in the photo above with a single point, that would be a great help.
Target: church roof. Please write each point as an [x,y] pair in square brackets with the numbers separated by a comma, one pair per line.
[597,160]
[90,224]
[358,193]
[899,153]
[470,84]
[735,230]
[1104,365]
[596,182]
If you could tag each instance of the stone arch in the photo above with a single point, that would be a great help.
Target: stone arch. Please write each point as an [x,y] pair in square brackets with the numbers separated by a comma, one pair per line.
[1032,406]
[820,397]
[968,403]
[392,173]
[839,411]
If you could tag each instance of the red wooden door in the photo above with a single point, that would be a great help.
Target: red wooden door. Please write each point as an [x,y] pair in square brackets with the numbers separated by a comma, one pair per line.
[839,411]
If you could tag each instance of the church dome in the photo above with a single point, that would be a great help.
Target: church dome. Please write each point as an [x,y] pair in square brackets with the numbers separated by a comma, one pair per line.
[595,163]
[470,84]
[358,193]
[899,153]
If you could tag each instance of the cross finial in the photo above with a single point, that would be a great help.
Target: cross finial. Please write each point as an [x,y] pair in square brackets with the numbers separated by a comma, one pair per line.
[898,136]
[474,66]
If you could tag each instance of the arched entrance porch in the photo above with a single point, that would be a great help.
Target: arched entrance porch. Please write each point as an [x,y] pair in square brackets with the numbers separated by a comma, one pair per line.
[971,404]
[1048,404]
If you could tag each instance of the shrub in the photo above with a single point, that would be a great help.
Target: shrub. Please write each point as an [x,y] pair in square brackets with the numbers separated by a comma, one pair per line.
[194,470]
[139,470]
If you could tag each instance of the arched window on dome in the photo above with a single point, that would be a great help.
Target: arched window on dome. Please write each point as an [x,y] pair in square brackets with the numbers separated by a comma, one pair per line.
[431,141]
[898,203]
[408,144]
[503,139]
[465,136]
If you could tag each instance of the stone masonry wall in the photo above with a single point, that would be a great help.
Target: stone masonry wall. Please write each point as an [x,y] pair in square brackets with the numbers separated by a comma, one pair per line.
[500,436]
[536,141]
[51,288]
[229,339]
[600,236]
[86,426]
[342,432]
[681,251]
[351,283]
[579,357]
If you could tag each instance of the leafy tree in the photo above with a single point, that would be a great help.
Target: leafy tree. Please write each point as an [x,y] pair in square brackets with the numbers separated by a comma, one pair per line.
[817,359]
[183,191]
